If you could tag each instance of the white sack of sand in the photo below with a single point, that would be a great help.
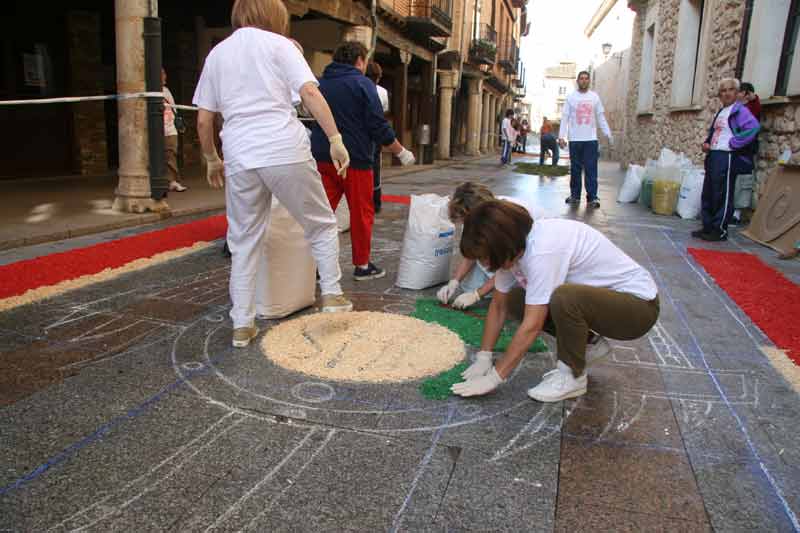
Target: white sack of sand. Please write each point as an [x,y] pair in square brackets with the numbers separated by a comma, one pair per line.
[363,346]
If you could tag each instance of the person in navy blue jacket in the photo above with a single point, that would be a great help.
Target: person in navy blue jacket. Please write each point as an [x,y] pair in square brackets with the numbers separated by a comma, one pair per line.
[729,146]
[357,110]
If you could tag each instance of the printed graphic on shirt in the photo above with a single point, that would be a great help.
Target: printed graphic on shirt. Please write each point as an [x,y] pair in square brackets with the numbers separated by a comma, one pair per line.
[584,113]
[520,277]
[719,126]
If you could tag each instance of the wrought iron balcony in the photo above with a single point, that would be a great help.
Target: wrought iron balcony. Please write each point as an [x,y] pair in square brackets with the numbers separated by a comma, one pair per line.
[430,18]
[519,3]
[509,55]
[519,82]
[483,49]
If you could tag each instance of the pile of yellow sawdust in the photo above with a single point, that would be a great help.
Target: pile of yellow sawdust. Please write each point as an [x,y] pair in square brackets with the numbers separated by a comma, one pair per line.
[363,346]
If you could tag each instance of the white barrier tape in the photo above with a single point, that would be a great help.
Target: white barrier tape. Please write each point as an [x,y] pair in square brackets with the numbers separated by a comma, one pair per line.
[72,99]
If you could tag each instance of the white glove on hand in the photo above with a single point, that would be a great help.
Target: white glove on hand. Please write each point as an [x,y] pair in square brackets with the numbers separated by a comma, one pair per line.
[467,299]
[610,140]
[339,155]
[215,170]
[406,157]
[478,386]
[481,365]
[445,293]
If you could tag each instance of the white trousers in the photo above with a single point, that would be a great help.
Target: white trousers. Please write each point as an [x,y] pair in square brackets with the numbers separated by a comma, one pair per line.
[248,197]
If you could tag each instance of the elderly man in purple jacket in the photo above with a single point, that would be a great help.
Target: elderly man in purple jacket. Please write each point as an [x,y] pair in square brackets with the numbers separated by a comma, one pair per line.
[730,147]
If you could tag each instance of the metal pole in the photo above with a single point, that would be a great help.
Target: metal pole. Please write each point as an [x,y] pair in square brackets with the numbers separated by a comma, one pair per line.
[159,185]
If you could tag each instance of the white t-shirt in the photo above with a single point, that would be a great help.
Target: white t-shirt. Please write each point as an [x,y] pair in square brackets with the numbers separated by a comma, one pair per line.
[721,138]
[169,113]
[581,116]
[253,78]
[383,96]
[507,130]
[560,251]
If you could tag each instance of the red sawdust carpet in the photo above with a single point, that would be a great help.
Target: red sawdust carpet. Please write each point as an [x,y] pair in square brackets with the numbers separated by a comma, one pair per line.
[770,300]
[17,278]
[394,199]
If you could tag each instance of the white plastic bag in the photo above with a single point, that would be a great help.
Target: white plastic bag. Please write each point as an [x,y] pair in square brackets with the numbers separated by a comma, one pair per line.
[285,279]
[632,186]
[668,158]
[428,243]
[343,216]
[690,197]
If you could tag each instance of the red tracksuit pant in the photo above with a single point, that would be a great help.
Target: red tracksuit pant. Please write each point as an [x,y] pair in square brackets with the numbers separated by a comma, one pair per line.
[357,187]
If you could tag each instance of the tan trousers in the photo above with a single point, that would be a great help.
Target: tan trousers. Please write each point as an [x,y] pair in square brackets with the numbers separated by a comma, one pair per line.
[575,309]
[171,157]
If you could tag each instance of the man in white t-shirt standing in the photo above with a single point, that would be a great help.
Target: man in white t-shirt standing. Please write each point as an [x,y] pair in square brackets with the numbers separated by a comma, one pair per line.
[579,287]
[509,137]
[583,111]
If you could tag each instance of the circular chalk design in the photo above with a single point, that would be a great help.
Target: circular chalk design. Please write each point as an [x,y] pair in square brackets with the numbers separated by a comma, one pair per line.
[364,346]
[399,308]
[215,318]
[192,365]
[313,392]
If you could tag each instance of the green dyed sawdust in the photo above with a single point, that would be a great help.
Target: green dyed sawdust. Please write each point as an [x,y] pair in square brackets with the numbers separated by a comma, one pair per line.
[466,326]
[438,387]
[541,170]
[470,329]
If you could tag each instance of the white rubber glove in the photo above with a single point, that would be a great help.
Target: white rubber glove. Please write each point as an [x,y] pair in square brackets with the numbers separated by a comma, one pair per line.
[339,155]
[215,170]
[406,157]
[481,365]
[445,293]
[467,299]
[610,141]
[478,386]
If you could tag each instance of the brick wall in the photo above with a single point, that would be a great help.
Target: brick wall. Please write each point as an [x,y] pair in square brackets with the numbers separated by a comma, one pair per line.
[685,130]
[90,153]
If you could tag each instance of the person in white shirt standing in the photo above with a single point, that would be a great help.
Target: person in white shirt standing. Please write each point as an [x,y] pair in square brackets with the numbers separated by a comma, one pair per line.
[583,111]
[170,137]
[375,72]
[254,78]
[509,136]
[579,287]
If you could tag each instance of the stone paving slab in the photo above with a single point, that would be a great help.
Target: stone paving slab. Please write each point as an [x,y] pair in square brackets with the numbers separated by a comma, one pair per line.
[158,424]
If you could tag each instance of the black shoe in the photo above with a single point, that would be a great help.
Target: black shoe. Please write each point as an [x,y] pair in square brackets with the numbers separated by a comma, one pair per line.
[714,235]
[371,272]
[572,201]
[698,233]
[593,203]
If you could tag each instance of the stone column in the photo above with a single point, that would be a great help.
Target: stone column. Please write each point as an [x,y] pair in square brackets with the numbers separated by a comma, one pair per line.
[485,123]
[474,86]
[133,188]
[447,84]
[362,34]
[493,124]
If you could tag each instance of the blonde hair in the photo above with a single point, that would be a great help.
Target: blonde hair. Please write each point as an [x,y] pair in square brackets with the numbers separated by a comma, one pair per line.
[466,197]
[268,15]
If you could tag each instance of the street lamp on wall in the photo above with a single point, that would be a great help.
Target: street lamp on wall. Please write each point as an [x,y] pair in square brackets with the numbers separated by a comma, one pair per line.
[606,48]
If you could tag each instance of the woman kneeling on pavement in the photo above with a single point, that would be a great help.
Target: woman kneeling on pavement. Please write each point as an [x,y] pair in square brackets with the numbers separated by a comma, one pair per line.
[470,278]
[578,285]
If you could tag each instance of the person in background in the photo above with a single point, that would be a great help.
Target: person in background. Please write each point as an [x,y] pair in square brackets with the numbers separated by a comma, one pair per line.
[583,111]
[170,137]
[524,130]
[254,78]
[509,137]
[375,72]
[729,152]
[747,95]
[358,112]
[579,287]
[470,278]
[547,141]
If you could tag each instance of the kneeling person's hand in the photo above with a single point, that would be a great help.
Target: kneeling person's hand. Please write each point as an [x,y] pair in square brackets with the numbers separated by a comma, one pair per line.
[480,385]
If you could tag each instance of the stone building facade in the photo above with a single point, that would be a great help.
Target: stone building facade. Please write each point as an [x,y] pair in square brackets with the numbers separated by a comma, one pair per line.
[672,96]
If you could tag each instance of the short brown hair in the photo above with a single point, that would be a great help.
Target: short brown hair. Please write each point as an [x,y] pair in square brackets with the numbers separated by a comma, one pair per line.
[374,71]
[268,15]
[349,51]
[465,198]
[496,231]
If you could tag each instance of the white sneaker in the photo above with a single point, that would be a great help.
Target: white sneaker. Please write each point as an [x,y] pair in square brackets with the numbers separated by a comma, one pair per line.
[597,349]
[559,384]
